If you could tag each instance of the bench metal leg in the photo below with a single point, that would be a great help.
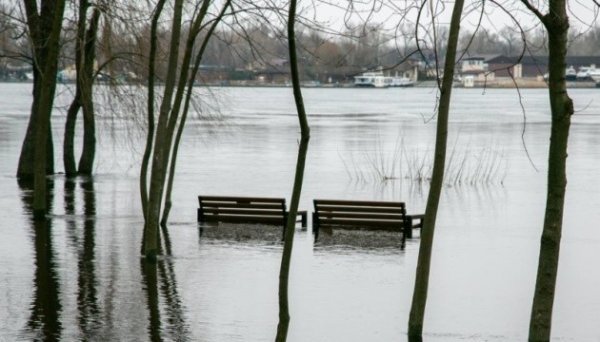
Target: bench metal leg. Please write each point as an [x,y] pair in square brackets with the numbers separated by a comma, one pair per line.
[403,243]
[408,224]
[315,221]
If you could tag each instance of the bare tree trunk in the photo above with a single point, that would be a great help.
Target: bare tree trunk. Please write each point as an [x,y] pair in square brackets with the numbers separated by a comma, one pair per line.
[51,17]
[71,120]
[42,28]
[69,136]
[88,153]
[151,126]
[557,25]
[169,118]
[26,158]
[284,272]
[186,107]
[419,301]
[161,154]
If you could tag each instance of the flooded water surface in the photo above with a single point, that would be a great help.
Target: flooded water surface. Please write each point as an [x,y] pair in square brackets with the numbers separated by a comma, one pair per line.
[79,276]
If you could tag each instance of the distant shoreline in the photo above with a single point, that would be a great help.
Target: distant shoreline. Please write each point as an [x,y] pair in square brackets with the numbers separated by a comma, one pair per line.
[496,84]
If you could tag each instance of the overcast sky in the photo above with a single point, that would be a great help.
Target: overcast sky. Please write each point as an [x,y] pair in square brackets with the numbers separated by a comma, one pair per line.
[582,12]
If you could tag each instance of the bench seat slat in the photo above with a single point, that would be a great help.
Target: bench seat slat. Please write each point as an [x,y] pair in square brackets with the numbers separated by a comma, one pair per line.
[242,206]
[370,228]
[375,216]
[360,222]
[347,203]
[327,208]
[255,212]
[243,219]
[240,199]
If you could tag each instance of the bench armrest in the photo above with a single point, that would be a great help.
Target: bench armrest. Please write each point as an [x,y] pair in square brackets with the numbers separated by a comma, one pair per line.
[303,219]
[413,218]
[410,224]
[419,217]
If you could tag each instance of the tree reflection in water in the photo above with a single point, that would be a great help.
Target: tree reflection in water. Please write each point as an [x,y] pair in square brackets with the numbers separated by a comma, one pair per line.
[160,285]
[43,323]
[150,279]
[87,297]
[48,317]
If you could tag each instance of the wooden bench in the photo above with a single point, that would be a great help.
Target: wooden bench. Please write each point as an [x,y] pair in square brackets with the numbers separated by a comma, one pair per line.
[364,214]
[245,210]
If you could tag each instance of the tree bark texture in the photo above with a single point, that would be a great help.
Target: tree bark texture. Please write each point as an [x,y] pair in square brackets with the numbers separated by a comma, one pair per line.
[286,258]
[88,152]
[42,25]
[71,120]
[160,157]
[193,34]
[45,28]
[151,125]
[170,148]
[69,136]
[419,300]
[557,25]
[168,121]
[26,157]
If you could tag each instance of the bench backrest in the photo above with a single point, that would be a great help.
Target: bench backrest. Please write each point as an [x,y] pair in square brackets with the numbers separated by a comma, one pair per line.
[241,209]
[357,214]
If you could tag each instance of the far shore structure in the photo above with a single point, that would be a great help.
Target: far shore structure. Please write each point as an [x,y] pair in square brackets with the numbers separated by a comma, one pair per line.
[490,71]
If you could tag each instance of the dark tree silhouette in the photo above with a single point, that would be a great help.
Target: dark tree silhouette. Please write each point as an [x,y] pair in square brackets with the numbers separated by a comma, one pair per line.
[556,22]
[419,301]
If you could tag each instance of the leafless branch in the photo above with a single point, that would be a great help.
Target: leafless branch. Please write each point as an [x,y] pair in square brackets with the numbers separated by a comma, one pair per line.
[534,10]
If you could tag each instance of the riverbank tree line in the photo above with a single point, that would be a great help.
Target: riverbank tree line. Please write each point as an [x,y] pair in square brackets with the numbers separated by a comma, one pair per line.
[255,48]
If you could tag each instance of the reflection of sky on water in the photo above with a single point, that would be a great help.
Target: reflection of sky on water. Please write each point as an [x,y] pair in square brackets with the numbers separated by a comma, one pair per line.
[485,249]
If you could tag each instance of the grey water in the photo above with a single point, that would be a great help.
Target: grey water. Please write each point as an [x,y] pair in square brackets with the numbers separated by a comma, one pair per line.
[80,276]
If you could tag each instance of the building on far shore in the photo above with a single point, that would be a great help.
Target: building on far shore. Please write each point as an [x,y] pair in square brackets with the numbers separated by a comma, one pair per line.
[474,71]
[528,71]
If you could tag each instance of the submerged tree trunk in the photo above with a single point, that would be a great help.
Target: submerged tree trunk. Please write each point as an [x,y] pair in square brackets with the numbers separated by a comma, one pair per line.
[168,118]
[150,134]
[69,136]
[150,116]
[49,19]
[44,25]
[419,300]
[161,153]
[88,152]
[286,258]
[557,25]
[186,107]
[26,158]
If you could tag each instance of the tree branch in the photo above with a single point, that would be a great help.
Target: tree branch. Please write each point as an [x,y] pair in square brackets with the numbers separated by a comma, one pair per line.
[534,10]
